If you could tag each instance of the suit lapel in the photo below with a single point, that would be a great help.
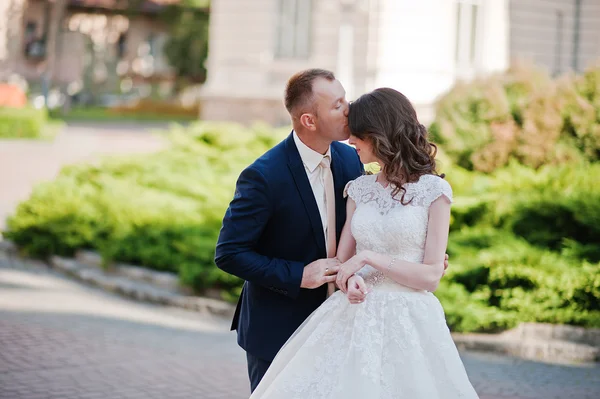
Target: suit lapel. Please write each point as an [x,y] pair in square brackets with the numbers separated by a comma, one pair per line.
[339,181]
[308,198]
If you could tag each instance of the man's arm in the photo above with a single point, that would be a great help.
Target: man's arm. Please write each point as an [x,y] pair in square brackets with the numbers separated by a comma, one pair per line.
[243,224]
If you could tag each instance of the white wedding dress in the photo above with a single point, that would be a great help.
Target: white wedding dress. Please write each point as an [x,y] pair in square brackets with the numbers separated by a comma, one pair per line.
[395,344]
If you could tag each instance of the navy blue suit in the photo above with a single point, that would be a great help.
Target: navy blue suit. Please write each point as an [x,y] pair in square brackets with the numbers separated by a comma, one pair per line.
[271,230]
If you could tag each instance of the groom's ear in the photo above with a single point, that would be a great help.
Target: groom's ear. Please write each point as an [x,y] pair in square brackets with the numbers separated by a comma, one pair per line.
[308,121]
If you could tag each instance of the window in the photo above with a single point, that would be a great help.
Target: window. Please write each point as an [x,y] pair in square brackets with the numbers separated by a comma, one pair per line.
[467,32]
[30,30]
[122,45]
[35,47]
[152,44]
[293,29]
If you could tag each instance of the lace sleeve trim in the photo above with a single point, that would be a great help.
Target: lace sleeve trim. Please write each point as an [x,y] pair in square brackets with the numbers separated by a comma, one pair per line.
[356,188]
[442,187]
[347,188]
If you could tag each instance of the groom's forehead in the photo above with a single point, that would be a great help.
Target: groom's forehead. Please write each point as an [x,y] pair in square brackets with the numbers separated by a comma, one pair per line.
[328,89]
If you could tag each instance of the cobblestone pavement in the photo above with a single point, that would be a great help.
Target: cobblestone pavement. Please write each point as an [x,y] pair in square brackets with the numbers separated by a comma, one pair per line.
[63,340]
[23,163]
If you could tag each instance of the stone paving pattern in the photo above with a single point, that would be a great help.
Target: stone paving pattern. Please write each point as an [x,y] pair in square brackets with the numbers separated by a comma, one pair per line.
[63,340]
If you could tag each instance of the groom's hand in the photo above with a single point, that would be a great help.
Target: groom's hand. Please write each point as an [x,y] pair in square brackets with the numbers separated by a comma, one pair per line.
[445,265]
[320,272]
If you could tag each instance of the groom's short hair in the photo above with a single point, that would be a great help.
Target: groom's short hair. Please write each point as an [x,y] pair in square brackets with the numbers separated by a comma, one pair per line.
[298,92]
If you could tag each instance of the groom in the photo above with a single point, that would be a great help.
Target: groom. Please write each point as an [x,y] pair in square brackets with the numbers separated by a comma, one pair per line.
[275,231]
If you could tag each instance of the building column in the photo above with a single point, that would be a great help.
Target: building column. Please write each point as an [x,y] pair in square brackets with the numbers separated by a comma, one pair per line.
[345,55]
[11,36]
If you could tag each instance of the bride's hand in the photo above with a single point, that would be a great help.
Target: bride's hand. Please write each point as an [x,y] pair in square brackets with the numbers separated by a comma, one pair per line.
[348,269]
[357,289]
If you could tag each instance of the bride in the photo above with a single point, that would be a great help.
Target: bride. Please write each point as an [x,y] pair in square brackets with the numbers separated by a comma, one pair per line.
[378,337]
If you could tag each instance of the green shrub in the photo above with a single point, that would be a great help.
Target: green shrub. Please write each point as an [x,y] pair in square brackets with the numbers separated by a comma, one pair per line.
[468,212]
[162,210]
[58,218]
[555,207]
[581,111]
[531,220]
[522,116]
[513,281]
[524,237]
[576,250]
[464,314]
[22,122]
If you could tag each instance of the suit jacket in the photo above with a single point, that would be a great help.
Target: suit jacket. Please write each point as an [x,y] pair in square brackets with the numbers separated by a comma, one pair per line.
[271,230]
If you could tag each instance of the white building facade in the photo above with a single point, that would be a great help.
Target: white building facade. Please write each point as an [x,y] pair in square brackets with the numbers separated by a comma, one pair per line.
[419,47]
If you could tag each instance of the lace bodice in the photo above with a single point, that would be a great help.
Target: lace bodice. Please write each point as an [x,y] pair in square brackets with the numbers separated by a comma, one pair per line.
[383,224]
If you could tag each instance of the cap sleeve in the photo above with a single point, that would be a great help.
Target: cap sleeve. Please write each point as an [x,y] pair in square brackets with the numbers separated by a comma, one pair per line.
[442,188]
[348,188]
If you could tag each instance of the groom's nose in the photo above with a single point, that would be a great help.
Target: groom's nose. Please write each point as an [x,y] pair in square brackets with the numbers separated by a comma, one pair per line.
[347,107]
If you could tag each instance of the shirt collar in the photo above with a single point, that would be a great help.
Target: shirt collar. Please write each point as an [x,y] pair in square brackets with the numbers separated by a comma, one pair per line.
[310,157]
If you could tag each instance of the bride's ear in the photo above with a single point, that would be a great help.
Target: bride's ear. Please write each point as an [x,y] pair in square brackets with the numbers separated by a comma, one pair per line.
[308,121]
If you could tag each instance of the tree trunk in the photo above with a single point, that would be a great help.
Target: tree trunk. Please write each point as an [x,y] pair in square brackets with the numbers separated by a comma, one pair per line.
[57,15]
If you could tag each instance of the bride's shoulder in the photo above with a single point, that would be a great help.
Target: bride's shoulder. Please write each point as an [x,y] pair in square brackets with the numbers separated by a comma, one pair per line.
[353,187]
[433,186]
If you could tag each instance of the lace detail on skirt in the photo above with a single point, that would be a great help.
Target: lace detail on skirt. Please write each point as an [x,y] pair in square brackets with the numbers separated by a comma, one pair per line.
[395,345]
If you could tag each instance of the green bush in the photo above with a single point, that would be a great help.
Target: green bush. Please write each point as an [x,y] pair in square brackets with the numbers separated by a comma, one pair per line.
[468,212]
[162,210]
[581,111]
[464,314]
[522,116]
[22,122]
[521,246]
[525,228]
[556,207]
[501,280]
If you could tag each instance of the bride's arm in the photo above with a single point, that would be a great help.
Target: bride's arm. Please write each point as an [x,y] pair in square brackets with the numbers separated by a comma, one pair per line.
[347,246]
[346,250]
[422,276]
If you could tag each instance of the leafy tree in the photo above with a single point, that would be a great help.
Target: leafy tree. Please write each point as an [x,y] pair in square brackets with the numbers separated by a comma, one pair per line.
[187,47]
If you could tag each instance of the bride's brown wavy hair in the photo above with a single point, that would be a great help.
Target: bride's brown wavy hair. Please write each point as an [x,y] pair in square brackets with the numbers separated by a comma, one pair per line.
[387,119]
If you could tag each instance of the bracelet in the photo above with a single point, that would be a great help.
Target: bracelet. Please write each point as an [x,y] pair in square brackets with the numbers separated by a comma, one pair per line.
[391,263]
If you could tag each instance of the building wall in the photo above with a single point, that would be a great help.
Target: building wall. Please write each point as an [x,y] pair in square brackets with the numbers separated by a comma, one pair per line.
[543,31]
[416,48]
[243,66]
[404,44]
[11,12]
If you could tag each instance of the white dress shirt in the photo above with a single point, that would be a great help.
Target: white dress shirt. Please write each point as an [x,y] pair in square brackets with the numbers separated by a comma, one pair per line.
[311,160]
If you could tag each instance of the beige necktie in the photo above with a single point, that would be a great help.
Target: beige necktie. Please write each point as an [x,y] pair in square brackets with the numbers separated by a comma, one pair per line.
[330,207]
